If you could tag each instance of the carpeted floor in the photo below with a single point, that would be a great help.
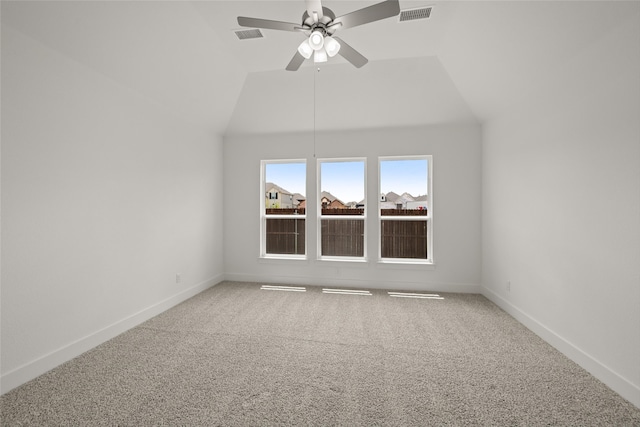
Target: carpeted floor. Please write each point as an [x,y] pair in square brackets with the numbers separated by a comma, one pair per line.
[239,355]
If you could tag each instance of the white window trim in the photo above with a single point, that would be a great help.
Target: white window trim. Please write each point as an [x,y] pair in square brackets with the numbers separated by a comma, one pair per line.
[320,217]
[263,214]
[428,218]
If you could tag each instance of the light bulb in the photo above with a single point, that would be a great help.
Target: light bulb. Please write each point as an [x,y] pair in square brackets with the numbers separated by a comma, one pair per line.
[316,40]
[320,55]
[305,49]
[332,46]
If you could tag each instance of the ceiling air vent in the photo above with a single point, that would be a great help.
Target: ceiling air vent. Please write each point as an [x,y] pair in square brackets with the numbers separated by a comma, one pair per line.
[249,34]
[413,14]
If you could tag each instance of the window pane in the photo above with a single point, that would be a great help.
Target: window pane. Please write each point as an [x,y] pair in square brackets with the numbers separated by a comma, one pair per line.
[403,186]
[284,185]
[284,188]
[285,236]
[404,193]
[342,187]
[404,239]
[343,237]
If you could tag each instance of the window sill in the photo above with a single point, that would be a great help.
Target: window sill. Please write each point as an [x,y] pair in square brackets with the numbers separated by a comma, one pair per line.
[406,263]
[282,258]
[342,260]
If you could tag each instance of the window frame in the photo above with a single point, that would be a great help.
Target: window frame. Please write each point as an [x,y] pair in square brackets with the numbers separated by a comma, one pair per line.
[320,217]
[428,218]
[263,212]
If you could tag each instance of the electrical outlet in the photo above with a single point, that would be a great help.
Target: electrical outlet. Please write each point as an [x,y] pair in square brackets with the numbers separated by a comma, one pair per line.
[178,278]
[508,286]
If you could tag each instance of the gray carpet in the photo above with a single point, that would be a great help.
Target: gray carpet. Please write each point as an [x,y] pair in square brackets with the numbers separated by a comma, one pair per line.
[238,355]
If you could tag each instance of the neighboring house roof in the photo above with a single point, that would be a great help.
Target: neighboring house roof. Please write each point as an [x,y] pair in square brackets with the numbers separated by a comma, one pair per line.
[406,197]
[330,197]
[406,200]
[336,204]
[270,186]
[391,196]
[402,200]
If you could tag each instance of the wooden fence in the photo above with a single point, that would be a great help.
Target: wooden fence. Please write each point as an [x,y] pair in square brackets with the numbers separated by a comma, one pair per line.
[285,211]
[403,212]
[285,236]
[342,237]
[345,237]
[403,239]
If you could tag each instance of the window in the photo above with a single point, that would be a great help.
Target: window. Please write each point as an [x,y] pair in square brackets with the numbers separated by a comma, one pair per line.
[404,199]
[283,208]
[405,209]
[341,209]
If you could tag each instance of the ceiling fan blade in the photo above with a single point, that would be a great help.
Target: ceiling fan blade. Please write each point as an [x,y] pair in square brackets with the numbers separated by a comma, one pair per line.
[314,6]
[267,24]
[350,54]
[378,11]
[295,62]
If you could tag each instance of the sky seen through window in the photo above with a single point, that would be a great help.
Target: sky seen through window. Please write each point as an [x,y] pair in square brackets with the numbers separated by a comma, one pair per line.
[345,180]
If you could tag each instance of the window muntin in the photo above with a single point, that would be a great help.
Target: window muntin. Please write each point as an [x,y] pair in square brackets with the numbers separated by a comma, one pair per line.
[341,209]
[283,209]
[405,209]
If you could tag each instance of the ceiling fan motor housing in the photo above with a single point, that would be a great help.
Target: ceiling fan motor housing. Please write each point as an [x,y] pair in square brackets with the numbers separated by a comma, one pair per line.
[327,17]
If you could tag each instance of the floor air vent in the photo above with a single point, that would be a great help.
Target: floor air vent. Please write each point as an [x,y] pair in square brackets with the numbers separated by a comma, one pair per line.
[249,34]
[413,14]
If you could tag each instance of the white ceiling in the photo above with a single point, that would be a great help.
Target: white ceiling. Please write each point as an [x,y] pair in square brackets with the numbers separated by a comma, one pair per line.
[468,62]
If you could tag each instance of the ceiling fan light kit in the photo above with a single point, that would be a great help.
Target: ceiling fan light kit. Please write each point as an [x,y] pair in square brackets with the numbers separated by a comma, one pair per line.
[332,46]
[319,24]
[305,49]
[316,40]
[320,49]
[320,55]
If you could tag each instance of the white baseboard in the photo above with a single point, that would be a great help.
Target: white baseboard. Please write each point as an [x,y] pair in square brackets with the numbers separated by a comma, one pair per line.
[37,367]
[357,283]
[612,379]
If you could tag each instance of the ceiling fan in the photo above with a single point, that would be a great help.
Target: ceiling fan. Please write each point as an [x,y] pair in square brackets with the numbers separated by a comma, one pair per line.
[319,24]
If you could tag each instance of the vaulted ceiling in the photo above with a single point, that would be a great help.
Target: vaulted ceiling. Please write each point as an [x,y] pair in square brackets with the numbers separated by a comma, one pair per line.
[466,63]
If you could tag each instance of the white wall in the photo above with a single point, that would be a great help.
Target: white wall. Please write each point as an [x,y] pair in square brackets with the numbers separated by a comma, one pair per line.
[105,197]
[456,195]
[561,209]
[337,96]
